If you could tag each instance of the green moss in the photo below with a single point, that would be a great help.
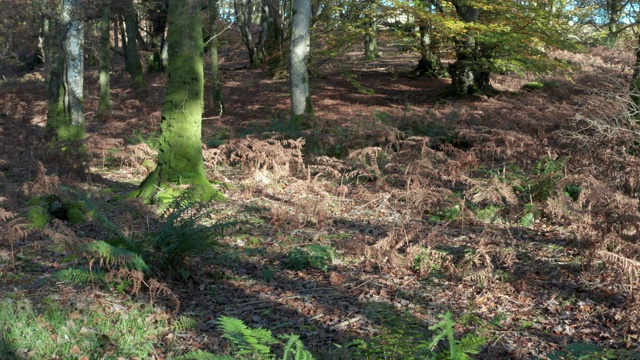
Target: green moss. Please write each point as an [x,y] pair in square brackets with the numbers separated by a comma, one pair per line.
[75,213]
[149,164]
[39,217]
[534,85]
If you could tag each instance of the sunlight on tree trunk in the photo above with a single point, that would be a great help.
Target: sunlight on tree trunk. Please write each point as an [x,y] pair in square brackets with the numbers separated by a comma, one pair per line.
[180,161]
[105,60]
[244,19]
[301,107]
[158,15]
[65,115]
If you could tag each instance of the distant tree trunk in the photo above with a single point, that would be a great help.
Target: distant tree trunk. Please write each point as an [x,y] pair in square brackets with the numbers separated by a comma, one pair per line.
[244,15]
[634,87]
[301,106]
[65,114]
[158,15]
[116,32]
[131,54]
[462,70]
[180,160]
[429,64]
[370,43]
[105,59]
[214,12]
[46,44]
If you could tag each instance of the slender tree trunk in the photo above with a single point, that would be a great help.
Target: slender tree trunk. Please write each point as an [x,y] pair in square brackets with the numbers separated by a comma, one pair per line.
[65,115]
[634,87]
[104,106]
[244,14]
[158,17]
[180,160]
[116,33]
[214,12]
[301,106]
[131,48]
[46,43]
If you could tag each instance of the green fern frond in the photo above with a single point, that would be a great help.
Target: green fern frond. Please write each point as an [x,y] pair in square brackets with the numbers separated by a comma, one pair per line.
[185,323]
[116,256]
[472,344]
[203,355]
[294,349]
[79,276]
[248,341]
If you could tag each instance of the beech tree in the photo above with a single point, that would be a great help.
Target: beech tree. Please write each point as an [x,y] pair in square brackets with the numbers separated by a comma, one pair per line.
[65,115]
[180,160]
[301,107]
[130,45]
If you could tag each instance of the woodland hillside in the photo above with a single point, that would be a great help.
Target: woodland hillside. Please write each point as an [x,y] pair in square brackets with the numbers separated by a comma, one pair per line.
[399,224]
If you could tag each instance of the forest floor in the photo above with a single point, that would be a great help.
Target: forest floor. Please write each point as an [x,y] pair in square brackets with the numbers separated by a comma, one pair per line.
[517,213]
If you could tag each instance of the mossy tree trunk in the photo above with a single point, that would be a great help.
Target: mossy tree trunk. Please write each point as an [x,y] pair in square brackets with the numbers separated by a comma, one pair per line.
[214,11]
[429,64]
[132,56]
[65,115]
[301,106]
[104,106]
[370,43]
[180,161]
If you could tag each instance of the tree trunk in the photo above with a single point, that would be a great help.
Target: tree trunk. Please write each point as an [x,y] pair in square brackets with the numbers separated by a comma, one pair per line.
[214,11]
[158,15]
[429,64]
[462,70]
[131,47]
[65,114]
[634,87]
[46,43]
[244,14]
[370,43]
[301,107]
[180,159]
[116,32]
[104,106]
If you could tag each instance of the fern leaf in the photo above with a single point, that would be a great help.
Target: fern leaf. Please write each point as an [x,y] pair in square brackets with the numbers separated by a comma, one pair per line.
[79,276]
[294,349]
[472,344]
[116,256]
[248,341]
[203,355]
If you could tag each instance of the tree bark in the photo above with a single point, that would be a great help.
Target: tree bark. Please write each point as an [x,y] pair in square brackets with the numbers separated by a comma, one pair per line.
[301,106]
[104,106]
[370,43]
[214,12]
[180,160]
[131,54]
[634,86]
[462,70]
[65,115]
[244,14]
[158,15]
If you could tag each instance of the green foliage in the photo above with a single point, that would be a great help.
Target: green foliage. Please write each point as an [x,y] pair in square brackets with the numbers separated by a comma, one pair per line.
[532,86]
[79,276]
[488,214]
[585,351]
[405,337]
[314,255]
[252,344]
[183,232]
[448,214]
[50,330]
[113,256]
[249,342]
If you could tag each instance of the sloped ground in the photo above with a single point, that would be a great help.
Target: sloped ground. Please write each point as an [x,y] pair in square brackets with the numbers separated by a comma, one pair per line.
[521,207]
